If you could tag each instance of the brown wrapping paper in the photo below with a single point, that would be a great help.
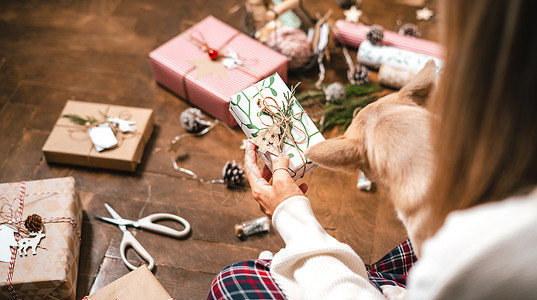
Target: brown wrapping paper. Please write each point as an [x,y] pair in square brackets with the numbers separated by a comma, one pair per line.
[51,273]
[69,143]
[138,284]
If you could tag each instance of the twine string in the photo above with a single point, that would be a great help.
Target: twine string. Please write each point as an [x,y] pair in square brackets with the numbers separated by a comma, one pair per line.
[283,119]
[120,135]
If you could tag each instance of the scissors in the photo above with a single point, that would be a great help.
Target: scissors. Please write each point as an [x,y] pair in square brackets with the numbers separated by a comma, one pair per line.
[145,223]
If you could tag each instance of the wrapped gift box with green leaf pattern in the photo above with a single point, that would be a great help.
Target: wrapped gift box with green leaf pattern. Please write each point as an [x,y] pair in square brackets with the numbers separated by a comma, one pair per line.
[270,101]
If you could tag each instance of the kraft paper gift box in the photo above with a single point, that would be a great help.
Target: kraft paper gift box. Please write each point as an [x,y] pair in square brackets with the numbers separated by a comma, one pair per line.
[69,143]
[245,108]
[52,272]
[138,284]
[184,68]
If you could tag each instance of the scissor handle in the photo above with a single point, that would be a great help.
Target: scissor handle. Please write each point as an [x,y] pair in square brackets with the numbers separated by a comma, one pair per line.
[147,223]
[130,240]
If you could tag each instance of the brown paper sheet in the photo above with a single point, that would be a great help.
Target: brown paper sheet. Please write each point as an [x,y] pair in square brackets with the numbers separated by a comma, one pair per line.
[138,284]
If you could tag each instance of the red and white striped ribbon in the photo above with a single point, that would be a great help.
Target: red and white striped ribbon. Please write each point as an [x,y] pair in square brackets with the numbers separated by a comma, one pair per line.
[17,219]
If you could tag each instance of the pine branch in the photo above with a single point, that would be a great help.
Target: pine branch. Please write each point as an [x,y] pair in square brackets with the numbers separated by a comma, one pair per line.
[289,100]
[79,120]
[361,90]
[341,114]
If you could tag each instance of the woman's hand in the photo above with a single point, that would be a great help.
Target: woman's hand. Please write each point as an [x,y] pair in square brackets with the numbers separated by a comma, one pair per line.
[283,187]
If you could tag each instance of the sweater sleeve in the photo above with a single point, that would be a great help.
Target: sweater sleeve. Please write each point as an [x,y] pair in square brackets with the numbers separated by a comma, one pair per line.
[313,264]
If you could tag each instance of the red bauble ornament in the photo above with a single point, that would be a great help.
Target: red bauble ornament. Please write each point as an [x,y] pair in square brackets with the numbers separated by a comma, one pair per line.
[213,54]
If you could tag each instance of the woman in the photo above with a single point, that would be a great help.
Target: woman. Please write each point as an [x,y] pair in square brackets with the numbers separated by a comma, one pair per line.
[486,153]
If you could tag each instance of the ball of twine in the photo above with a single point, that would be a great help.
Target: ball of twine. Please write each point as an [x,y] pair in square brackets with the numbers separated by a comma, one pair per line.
[193,120]
[34,223]
[334,91]
[293,43]
[375,34]
[410,30]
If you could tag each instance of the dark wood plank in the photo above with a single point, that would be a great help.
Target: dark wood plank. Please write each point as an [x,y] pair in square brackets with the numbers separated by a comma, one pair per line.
[13,119]
[389,230]
[356,223]
[25,158]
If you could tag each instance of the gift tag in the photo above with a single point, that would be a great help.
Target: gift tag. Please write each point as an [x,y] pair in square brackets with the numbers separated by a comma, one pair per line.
[30,243]
[7,240]
[123,125]
[232,60]
[103,137]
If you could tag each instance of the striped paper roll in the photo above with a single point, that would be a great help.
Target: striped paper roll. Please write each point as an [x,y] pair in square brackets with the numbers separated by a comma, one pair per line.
[375,56]
[353,35]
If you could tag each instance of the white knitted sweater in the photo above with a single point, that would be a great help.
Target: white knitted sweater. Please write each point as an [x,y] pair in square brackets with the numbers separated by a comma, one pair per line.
[486,252]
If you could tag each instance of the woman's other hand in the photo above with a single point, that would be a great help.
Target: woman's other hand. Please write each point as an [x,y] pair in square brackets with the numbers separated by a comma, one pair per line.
[283,187]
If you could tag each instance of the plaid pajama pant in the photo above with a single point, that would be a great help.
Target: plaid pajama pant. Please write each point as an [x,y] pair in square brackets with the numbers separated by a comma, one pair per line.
[252,279]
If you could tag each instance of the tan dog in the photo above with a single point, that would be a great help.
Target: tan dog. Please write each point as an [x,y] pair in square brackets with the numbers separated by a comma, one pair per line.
[389,141]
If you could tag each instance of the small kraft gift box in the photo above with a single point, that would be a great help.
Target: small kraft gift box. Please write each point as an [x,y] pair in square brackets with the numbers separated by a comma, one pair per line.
[272,118]
[69,142]
[138,284]
[41,217]
[211,61]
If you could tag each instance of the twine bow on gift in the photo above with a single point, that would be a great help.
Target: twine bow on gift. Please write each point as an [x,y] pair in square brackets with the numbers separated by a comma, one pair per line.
[216,62]
[280,130]
[15,221]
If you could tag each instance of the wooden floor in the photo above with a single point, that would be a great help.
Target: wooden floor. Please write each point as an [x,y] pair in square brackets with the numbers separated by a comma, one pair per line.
[96,50]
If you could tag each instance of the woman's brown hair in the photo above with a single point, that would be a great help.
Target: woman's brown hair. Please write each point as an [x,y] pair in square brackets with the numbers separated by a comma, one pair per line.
[486,138]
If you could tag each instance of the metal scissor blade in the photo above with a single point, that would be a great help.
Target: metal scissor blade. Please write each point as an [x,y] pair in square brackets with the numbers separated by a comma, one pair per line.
[112,212]
[116,216]
[114,221]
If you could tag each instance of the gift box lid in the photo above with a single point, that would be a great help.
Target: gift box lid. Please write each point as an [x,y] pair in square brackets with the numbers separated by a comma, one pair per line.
[52,272]
[70,143]
[182,66]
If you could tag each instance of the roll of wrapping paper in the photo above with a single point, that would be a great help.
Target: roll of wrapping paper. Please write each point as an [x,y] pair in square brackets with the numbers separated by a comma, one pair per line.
[394,77]
[352,34]
[375,56]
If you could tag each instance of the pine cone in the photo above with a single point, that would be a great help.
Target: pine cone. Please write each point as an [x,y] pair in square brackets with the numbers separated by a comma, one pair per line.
[410,30]
[233,175]
[334,91]
[360,75]
[375,34]
[193,120]
[34,223]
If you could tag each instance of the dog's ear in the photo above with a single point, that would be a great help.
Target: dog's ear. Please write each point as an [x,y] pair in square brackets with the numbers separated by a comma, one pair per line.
[419,88]
[340,154]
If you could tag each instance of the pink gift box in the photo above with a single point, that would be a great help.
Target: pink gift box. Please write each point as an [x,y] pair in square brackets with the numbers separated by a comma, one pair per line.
[211,92]
[353,35]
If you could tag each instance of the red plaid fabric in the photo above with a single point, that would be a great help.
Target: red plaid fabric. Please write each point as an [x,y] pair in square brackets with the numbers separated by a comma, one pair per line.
[249,279]
[393,268]
[252,279]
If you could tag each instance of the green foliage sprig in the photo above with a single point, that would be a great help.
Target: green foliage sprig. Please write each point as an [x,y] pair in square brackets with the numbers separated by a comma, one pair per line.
[341,112]
[287,111]
[79,120]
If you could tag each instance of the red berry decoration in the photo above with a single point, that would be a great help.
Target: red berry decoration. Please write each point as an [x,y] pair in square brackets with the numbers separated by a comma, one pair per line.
[213,54]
